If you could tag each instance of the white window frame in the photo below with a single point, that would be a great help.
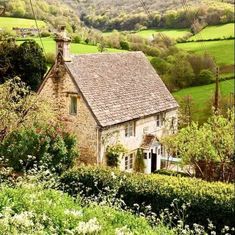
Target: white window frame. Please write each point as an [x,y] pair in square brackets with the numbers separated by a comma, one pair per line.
[129,162]
[130,129]
[159,120]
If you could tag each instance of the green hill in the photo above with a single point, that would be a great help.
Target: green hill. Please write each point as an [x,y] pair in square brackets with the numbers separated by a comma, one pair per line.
[215,32]
[8,23]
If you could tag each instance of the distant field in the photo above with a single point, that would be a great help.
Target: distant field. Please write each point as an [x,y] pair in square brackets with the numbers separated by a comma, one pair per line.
[9,23]
[171,33]
[223,50]
[214,32]
[50,46]
[202,94]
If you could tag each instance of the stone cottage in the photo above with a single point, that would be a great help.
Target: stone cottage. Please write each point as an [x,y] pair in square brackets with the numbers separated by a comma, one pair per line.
[110,98]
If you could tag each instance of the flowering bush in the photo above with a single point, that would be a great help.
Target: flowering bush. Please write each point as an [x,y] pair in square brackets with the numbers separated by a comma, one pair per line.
[28,209]
[214,201]
[49,145]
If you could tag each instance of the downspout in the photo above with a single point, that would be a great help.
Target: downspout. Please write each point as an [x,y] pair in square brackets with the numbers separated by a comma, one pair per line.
[98,143]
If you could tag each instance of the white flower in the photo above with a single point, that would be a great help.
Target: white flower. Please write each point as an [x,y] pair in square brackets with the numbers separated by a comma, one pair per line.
[90,227]
[73,213]
[123,231]
[113,175]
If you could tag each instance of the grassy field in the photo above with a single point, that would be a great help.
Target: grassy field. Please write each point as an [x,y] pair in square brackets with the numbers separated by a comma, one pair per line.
[223,50]
[172,33]
[214,32]
[202,94]
[50,46]
[9,23]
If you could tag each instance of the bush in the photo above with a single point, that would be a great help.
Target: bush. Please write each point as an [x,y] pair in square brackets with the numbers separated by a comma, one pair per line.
[45,34]
[205,77]
[171,173]
[124,45]
[76,38]
[34,210]
[214,201]
[48,145]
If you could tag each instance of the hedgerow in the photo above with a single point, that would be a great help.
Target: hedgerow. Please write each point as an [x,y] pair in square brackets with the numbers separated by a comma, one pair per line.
[214,201]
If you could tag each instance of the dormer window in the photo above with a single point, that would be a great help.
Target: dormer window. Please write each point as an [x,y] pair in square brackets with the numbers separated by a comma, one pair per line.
[130,129]
[73,105]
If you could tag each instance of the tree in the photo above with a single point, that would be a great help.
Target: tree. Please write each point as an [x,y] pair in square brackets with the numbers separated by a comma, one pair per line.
[205,77]
[139,165]
[21,107]
[31,64]
[26,61]
[208,148]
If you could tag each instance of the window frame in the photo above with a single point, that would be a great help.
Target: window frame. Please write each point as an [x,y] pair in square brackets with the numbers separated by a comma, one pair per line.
[73,107]
[130,129]
[129,162]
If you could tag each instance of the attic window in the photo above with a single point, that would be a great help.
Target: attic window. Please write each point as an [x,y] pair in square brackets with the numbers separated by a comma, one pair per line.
[130,129]
[73,105]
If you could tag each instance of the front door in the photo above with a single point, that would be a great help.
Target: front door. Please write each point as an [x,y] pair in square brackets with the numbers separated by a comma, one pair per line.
[153,161]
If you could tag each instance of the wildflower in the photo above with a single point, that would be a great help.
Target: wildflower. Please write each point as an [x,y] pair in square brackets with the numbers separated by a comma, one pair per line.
[90,227]
[74,213]
[123,231]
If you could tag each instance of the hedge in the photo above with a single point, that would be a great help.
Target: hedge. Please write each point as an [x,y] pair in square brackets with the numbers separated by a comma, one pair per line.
[214,201]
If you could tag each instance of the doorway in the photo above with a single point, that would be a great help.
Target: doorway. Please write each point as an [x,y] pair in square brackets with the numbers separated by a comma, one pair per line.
[153,161]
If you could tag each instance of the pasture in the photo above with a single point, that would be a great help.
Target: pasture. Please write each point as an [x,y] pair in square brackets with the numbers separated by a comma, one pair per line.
[8,23]
[171,33]
[50,46]
[222,51]
[215,32]
[202,95]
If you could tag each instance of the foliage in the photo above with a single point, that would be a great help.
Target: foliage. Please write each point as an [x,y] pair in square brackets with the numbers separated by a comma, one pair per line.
[113,154]
[30,209]
[25,61]
[49,145]
[52,11]
[139,165]
[171,173]
[205,77]
[208,200]
[20,107]
[209,148]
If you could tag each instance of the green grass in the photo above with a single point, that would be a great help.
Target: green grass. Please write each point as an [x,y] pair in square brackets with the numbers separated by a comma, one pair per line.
[172,33]
[8,23]
[201,95]
[215,32]
[50,46]
[222,51]
[34,210]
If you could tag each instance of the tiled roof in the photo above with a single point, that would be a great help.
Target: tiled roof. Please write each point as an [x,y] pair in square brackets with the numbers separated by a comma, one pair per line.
[147,141]
[120,87]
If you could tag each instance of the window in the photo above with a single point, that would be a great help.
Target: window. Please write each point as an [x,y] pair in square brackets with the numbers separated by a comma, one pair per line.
[129,162]
[159,119]
[130,129]
[73,105]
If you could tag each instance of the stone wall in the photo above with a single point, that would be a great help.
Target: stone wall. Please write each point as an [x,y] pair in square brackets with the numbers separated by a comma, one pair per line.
[83,125]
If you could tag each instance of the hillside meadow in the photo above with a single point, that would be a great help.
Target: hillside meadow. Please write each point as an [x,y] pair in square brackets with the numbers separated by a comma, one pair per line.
[215,32]
[8,23]
[171,33]
[222,50]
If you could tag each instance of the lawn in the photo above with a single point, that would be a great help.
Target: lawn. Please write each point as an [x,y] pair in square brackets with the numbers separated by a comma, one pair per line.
[222,51]
[172,33]
[8,23]
[215,32]
[50,46]
[202,94]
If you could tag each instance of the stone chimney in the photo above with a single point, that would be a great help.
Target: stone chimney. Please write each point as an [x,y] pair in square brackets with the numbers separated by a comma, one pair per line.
[63,44]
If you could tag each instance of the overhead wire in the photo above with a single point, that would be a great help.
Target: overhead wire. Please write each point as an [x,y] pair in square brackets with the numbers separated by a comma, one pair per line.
[36,23]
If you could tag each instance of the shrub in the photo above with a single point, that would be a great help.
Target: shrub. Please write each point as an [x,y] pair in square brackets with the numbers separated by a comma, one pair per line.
[113,154]
[34,210]
[124,45]
[47,145]
[205,77]
[212,201]
[76,38]
[45,34]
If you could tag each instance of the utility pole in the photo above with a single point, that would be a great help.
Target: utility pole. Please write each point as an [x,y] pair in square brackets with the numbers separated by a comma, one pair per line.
[216,100]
